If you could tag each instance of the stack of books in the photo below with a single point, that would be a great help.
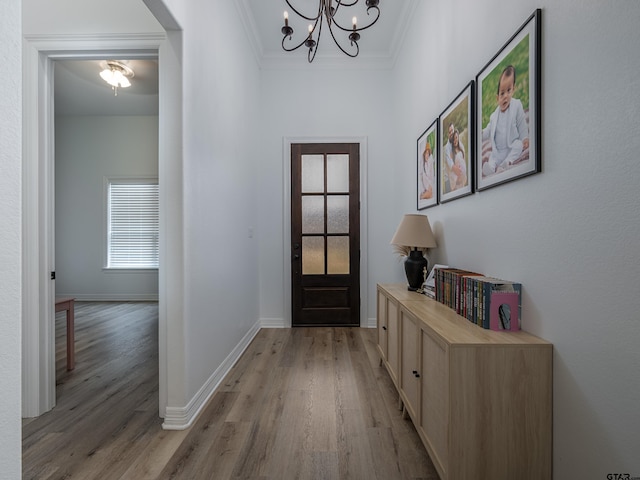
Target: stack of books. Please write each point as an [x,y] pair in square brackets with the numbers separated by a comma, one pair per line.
[429,291]
[488,302]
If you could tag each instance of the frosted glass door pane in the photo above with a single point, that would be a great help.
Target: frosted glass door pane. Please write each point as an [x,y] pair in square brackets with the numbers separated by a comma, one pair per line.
[338,214]
[338,173]
[312,214]
[312,174]
[313,255]
[338,255]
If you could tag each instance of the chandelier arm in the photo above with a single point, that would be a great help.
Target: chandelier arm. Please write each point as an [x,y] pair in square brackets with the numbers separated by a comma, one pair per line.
[313,50]
[352,55]
[304,40]
[359,29]
[294,48]
[304,16]
[345,4]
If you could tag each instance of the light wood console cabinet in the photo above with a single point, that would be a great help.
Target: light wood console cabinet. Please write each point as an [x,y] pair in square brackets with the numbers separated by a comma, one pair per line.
[480,400]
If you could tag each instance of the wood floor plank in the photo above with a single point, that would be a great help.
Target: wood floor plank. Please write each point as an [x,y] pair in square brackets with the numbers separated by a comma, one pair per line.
[307,403]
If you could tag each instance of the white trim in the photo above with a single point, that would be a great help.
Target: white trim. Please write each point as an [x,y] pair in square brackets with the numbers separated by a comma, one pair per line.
[286,215]
[38,392]
[38,347]
[250,29]
[272,323]
[116,297]
[181,418]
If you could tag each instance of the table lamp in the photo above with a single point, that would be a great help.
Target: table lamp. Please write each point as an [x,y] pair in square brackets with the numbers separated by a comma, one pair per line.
[414,232]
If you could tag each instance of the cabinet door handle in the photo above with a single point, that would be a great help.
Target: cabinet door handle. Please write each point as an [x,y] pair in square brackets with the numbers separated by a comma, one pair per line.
[416,374]
[384,327]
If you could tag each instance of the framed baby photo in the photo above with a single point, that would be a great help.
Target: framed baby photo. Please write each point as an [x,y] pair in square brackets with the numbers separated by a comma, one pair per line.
[456,126]
[508,111]
[427,163]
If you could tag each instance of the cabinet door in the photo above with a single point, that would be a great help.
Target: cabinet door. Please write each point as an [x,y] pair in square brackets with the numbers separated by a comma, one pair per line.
[410,380]
[382,325]
[434,420]
[393,341]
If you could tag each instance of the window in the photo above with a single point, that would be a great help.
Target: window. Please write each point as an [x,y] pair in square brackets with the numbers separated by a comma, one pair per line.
[132,223]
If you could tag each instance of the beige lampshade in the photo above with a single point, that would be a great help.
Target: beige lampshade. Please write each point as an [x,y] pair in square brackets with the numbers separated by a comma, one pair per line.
[414,231]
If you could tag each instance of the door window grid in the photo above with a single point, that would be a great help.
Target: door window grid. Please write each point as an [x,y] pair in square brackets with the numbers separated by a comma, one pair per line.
[325,214]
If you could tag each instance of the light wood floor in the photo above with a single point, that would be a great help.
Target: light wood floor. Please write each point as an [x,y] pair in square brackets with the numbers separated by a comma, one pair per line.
[304,403]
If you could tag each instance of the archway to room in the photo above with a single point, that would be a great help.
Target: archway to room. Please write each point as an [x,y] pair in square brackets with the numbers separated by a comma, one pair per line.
[38,290]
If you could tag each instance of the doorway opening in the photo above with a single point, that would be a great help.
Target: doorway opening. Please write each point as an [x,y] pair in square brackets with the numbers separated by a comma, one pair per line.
[38,334]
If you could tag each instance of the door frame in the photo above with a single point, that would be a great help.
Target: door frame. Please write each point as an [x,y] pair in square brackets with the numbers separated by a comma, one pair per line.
[38,334]
[286,215]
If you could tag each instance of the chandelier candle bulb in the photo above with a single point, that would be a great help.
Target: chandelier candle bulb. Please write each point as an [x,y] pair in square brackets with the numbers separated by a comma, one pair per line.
[310,29]
[355,20]
[286,18]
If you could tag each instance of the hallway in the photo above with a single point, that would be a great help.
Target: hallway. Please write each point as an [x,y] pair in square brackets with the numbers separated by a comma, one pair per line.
[300,403]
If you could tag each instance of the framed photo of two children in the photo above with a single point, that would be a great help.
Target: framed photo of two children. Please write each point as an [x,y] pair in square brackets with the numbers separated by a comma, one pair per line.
[508,112]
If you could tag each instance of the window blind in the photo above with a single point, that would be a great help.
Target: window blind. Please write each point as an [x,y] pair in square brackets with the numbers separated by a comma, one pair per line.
[133,225]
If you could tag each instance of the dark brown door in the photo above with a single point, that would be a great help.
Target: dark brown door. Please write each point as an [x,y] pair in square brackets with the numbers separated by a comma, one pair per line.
[325,234]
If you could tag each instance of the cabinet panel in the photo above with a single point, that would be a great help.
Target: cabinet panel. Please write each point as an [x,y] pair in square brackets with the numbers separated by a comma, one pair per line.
[434,418]
[382,325]
[393,360]
[409,368]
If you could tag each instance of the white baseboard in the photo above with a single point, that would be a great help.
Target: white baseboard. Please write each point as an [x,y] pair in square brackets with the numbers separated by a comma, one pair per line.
[279,323]
[127,297]
[181,418]
[272,323]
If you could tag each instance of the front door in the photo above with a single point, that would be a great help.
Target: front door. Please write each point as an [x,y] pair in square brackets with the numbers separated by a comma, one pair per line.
[325,234]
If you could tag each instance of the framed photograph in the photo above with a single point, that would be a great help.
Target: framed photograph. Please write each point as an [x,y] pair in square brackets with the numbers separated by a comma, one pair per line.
[457,146]
[427,162]
[508,112]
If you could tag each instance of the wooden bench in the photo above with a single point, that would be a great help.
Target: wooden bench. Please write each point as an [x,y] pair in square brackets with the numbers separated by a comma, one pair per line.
[66,304]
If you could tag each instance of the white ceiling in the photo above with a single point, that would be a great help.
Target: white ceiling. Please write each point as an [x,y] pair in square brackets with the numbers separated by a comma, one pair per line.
[79,90]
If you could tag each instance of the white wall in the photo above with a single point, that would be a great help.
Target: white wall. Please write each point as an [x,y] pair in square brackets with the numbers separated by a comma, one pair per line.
[317,102]
[88,149]
[221,148]
[10,237]
[572,234]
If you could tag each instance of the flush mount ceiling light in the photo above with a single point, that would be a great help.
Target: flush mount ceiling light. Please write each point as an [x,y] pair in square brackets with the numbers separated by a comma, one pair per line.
[116,74]
[328,9]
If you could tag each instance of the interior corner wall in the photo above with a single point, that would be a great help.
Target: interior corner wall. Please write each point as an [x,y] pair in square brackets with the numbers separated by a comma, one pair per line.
[88,150]
[10,237]
[570,234]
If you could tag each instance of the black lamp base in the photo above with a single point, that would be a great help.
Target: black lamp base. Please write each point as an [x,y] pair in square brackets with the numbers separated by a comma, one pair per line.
[414,267]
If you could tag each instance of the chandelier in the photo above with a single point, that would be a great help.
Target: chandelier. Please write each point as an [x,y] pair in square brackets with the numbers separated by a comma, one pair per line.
[328,10]
[116,74]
